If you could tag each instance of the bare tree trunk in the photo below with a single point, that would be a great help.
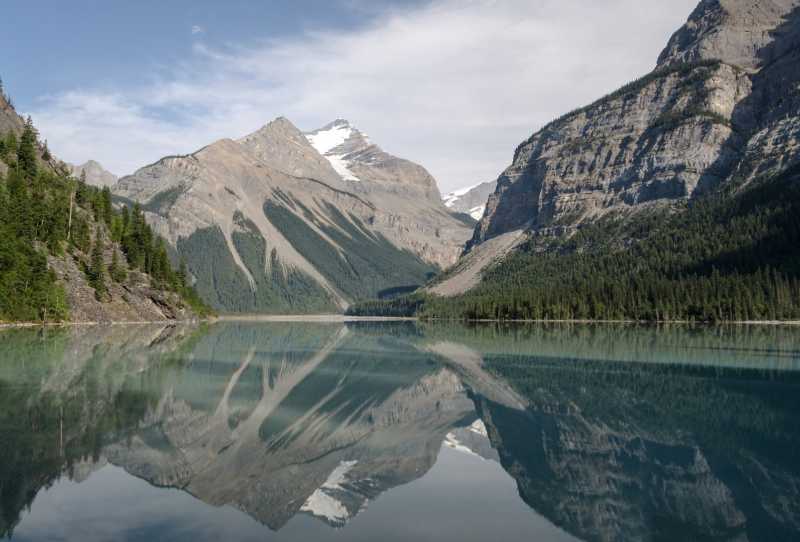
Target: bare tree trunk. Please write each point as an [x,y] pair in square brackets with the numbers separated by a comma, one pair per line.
[69,222]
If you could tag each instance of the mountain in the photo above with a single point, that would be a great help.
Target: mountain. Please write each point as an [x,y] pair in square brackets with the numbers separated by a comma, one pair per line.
[66,253]
[410,211]
[269,224]
[672,197]
[95,174]
[472,200]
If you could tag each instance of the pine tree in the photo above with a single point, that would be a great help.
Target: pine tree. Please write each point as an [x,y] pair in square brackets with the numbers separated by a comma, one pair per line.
[26,154]
[106,206]
[10,146]
[46,156]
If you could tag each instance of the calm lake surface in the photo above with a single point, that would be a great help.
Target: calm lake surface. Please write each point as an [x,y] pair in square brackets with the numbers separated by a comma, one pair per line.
[400,431]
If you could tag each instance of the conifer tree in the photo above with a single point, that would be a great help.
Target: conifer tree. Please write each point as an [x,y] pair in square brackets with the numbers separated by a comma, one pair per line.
[106,206]
[26,153]
[46,156]
[10,146]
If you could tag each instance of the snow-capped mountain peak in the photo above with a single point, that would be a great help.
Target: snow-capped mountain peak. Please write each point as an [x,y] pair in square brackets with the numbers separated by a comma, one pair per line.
[336,141]
[330,137]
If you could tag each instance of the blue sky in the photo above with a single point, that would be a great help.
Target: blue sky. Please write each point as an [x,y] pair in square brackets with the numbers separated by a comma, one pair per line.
[111,43]
[452,84]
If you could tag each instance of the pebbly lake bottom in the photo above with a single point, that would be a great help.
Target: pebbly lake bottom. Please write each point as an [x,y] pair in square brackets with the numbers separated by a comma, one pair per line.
[400,431]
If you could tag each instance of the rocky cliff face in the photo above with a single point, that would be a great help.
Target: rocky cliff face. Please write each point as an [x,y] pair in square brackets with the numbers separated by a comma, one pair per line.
[10,121]
[749,34]
[720,107]
[94,174]
[267,223]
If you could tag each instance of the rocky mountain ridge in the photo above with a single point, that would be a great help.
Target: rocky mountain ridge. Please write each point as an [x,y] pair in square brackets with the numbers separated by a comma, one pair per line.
[287,231]
[721,108]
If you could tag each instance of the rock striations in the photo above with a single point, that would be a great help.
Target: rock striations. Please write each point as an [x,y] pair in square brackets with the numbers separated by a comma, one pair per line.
[721,107]
[281,221]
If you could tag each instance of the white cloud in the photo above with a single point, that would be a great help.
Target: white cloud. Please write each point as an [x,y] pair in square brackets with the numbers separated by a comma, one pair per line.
[197,29]
[455,85]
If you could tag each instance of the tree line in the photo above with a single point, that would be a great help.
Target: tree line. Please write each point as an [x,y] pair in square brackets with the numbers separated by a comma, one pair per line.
[730,256]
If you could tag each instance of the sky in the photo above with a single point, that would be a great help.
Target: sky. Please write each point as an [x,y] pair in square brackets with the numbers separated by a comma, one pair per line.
[454,85]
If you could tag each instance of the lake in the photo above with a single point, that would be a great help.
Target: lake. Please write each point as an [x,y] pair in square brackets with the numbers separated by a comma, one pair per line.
[400,431]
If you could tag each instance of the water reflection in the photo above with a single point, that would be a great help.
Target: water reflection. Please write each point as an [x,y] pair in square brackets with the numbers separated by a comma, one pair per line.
[606,433]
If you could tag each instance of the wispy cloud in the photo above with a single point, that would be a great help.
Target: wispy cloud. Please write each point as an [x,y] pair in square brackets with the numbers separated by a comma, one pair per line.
[455,85]
[197,29]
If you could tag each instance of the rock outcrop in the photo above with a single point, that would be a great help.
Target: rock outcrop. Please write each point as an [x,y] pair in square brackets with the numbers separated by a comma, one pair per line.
[270,224]
[721,107]
[10,121]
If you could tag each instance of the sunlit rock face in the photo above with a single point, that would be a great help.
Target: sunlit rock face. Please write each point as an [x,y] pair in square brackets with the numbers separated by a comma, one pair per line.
[720,110]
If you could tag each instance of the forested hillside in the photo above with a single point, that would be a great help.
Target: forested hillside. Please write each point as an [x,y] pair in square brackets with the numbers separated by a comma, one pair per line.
[60,237]
[676,197]
[732,255]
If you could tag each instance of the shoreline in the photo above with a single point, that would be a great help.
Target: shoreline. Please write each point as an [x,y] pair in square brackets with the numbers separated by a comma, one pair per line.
[342,318]
[17,325]
[636,322]
[311,318]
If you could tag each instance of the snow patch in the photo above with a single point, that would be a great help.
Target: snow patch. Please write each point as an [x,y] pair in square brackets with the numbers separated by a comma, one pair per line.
[341,166]
[322,503]
[477,212]
[325,141]
[452,198]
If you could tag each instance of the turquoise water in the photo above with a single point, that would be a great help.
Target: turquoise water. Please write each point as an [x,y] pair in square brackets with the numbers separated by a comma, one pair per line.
[400,431]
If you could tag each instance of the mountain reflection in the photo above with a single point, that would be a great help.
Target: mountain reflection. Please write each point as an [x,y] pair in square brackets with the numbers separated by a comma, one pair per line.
[609,433]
